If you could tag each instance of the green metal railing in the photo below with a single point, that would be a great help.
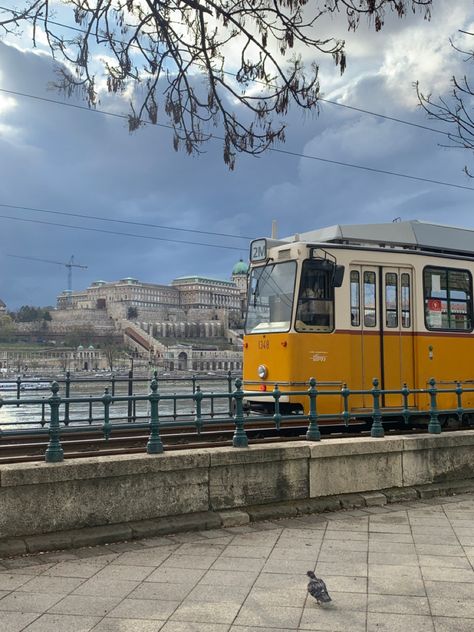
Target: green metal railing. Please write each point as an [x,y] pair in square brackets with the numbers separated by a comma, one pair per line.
[203,416]
[115,383]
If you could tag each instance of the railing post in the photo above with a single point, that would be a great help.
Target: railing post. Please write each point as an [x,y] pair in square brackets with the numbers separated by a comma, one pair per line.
[43,415]
[112,382]
[277,416]
[460,409]
[211,412]
[175,406]
[18,388]
[434,427]
[345,392]
[313,433]
[405,411]
[229,390]
[130,395]
[198,416]
[377,428]
[54,452]
[240,439]
[90,420]
[106,426]
[154,445]
[67,395]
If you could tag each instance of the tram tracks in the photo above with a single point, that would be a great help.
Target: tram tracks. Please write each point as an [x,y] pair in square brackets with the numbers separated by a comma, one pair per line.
[23,448]
[80,445]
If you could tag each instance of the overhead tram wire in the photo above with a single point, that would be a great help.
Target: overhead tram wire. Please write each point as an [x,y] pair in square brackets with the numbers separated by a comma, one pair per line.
[384,116]
[372,169]
[273,149]
[233,74]
[122,234]
[121,221]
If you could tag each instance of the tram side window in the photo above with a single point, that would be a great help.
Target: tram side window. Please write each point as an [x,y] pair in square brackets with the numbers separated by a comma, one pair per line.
[355,298]
[391,299]
[448,298]
[316,298]
[406,299]
[370,314]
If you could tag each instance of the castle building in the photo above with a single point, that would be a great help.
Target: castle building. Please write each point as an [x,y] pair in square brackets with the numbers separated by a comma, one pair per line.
[240,277]
[197,292]
[129,292]
[186,298]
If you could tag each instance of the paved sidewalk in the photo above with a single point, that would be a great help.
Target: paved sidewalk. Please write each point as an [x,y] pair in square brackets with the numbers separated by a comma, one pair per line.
[405,567]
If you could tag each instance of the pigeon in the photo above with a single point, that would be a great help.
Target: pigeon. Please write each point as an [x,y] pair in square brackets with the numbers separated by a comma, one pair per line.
[317,588]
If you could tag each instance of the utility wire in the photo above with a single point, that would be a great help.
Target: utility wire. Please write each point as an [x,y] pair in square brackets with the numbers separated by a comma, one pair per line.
[280,151]
[384,116]
[233,74]
[121,221]
[113,232]
[373,169]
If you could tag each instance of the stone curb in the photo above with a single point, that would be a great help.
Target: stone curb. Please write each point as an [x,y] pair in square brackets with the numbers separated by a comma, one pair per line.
[93,536]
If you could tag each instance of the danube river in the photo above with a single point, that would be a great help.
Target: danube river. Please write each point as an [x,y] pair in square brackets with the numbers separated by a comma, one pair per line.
[26,415]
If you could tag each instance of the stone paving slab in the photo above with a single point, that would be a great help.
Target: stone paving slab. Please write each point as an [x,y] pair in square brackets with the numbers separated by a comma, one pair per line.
[403,567]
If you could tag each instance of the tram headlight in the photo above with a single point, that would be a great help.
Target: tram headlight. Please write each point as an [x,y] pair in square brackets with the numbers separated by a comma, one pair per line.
[262,371]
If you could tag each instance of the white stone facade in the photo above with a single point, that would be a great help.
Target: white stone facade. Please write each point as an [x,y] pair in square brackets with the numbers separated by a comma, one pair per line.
[52,359]
[195,359]
[129,292]
[186,297]
[205,293]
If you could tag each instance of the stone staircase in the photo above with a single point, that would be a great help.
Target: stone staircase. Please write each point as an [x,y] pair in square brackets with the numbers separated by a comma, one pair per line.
[137,338]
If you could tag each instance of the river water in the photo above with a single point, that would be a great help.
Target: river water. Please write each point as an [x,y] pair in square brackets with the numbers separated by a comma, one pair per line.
[30,415]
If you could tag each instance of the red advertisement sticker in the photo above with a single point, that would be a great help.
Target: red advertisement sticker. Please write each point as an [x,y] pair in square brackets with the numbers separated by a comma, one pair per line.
[434,304]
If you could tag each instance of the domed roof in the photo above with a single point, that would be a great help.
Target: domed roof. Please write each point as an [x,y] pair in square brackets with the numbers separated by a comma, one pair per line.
[240,268]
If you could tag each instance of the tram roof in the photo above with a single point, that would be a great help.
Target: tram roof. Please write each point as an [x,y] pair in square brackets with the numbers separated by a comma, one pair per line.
[412,234]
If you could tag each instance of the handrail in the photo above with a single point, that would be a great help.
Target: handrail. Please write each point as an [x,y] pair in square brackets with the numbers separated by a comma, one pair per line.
[201,411]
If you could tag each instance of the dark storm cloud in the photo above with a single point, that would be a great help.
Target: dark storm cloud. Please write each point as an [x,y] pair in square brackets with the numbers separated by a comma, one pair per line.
[65,159]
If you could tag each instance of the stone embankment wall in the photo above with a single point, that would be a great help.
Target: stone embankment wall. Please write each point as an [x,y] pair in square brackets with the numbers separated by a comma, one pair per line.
[63,320]
[44,498]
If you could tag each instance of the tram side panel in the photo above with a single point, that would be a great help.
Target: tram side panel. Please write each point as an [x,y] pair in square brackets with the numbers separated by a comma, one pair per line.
[444,338]
[448,359]
[291,359]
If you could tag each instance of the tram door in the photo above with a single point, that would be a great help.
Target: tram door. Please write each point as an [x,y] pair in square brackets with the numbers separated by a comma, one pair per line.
[386,329]
[397,332]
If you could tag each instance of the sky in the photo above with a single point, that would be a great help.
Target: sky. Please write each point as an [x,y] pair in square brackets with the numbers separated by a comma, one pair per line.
[70,160]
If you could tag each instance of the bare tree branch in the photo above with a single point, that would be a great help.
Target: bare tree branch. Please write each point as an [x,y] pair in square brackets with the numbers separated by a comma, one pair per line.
[205,64]
[457,109]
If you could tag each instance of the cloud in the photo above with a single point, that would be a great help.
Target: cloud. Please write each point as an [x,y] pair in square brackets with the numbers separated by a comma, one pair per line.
[66,159]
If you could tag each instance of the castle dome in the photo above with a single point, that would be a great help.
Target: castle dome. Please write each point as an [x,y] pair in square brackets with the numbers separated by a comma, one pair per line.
[240,268]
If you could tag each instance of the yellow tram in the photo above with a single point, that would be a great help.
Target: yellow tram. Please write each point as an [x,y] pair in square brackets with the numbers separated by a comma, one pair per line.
[346,304]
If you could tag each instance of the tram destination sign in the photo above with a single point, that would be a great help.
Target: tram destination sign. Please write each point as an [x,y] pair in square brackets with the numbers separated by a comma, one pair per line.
[259,248]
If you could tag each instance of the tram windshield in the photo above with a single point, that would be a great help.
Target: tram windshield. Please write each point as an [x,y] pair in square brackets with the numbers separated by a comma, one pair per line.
[270,299]
[315,311]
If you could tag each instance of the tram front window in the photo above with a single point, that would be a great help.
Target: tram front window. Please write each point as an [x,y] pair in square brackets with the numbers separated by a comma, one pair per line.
[270,300]
[316,299]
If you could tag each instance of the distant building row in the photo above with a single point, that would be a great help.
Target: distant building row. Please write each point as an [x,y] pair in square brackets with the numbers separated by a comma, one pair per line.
[193,296]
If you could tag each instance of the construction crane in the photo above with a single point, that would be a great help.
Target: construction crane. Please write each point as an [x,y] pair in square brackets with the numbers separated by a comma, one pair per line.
[69,265]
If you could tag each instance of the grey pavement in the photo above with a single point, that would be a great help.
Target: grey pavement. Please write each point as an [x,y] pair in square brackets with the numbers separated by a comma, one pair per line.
[401,567]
